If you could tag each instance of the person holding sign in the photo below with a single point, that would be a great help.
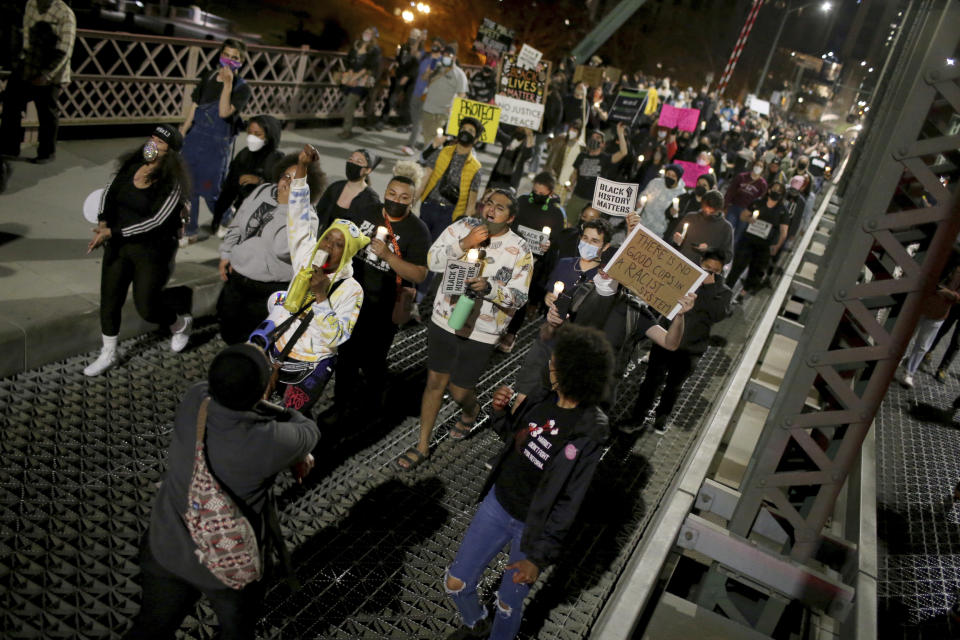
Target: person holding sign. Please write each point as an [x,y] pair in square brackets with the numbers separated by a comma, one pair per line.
[508,170]
[592,164]
[456,358]
[706,230]
[674,367]
[767,227]
[553,443]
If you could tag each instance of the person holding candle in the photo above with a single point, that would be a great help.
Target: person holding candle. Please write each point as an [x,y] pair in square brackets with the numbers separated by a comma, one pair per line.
[457,357]
[671,368]
[661,191]
[767,228]
[353,198]
[395,261]
[255,254]
[592,164]
[706,230]
[553,442]
[689,203]
[570,271]
[745,188]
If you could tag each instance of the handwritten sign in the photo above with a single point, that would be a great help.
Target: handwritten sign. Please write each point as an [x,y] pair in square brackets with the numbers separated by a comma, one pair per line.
[659,274]
[592,76]
[493,38]
[535,238]
[521,93]
[682,119]
[758,105]
[627,107]
[691,171]
[455,277]
[615,198]
[487,114]
[528,57]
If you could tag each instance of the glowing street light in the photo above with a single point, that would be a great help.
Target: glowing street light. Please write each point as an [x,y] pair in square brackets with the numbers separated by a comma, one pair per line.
[423,7]
[824,7]
[407,15]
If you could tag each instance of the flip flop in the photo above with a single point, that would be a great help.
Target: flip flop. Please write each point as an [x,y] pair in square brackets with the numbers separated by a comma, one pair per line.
[413,457]
[462,429]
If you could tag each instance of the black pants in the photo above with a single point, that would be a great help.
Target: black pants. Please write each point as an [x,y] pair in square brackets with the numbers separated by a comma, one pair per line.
[954,345]
[670,367]
[242,306]
[15,98]
[148,267]
[366,350]
[752,255]
[168,598]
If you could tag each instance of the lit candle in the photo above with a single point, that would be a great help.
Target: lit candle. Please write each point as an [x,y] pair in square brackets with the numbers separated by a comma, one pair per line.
[557,288]
[662,171]
[546,231]
[640,158]
[683,234]
[439,131]
[676,205]
[756,213]
[381,233]
[473,255]
[567,184]
[643,202]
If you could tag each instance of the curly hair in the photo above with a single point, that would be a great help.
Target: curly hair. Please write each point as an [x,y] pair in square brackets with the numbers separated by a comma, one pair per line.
[583,363]
[316,178]
[409,169]
[170,170]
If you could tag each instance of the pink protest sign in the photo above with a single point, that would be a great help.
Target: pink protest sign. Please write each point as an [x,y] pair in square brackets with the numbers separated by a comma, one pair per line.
[691,171]
[683,119]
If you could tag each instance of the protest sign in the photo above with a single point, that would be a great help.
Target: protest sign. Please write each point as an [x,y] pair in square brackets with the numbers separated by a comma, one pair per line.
[659,274]
[691,171]
[592,76]
[455,277]
[493,38]
[535,238]
[521,93]
[758,105]
[487,114]
[682,119]
[615,198]
[626,107]
[528,57]
[612,74]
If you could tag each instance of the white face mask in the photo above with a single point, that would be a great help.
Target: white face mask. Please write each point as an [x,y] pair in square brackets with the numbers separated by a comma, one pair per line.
[757,171]
[446,61]
[605,286]
[572,134]
[588,251]
[255,143]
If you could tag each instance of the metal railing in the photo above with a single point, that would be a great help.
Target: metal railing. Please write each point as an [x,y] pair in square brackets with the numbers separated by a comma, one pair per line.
[121,78]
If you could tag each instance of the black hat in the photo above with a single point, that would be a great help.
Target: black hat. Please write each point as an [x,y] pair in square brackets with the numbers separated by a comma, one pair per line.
[372,159]
[169,134]
[238,376]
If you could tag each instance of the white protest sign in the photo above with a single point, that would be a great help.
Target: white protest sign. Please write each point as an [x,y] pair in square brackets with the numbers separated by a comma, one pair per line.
[760,106]
[519,112]
[528,57]
[615,198]
[534,237]
[455,277]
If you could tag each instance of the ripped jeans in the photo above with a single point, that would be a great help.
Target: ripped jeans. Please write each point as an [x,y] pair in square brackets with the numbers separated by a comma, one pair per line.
[491,528]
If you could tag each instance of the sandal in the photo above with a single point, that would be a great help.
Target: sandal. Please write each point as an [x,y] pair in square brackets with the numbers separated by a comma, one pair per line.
[413,457]
[462,429]
[505,345]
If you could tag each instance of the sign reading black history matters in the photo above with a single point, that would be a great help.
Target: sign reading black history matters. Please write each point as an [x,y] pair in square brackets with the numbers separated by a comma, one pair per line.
[659,274]
[615,198]
[535,238]
[626,108]
[521,93]
[493,38]
[487,114]
[455,277]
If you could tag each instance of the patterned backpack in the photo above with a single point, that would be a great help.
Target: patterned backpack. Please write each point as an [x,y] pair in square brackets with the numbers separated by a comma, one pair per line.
[226,541]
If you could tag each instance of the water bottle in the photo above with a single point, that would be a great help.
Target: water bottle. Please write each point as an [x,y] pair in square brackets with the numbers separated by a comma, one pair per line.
[461,311]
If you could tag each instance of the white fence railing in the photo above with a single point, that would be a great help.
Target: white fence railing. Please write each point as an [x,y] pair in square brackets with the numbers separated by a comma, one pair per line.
[121,78]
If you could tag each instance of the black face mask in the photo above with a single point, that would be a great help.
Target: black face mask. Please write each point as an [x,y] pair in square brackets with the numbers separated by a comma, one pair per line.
[775,196]
[593,144]
[699,190]
[801,166]
[465,137]
[670,182]
[536,198]
[354,171]
[395,209]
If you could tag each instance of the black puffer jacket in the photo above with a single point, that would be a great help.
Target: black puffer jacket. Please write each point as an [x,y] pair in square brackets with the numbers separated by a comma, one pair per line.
[258,163]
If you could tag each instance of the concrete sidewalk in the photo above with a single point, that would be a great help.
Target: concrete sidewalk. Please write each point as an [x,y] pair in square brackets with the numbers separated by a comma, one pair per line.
[50,288]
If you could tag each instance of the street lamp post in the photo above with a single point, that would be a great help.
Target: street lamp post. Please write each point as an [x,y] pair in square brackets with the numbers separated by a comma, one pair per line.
[824,6]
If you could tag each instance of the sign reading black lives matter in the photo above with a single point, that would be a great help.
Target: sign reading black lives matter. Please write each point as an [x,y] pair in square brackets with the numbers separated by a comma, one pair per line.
[493,38]
[659,274]
[455,277]
[615,198]
[521,93]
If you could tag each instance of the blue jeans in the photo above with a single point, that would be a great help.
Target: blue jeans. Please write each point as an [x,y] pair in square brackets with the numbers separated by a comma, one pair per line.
[739,227]
[490,529]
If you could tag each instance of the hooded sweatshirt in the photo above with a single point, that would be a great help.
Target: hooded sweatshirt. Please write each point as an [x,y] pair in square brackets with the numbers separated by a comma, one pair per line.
[659,199]
[259,163]
[333,318]
[256,242]
[713,230]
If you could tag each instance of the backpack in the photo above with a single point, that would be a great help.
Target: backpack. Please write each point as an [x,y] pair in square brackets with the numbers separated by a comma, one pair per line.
[226,540]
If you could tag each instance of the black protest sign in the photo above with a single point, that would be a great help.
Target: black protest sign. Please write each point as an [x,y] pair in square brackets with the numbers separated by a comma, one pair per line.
[626,107]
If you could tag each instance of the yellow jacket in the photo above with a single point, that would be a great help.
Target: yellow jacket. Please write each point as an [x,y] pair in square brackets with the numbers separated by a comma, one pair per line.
[470,168]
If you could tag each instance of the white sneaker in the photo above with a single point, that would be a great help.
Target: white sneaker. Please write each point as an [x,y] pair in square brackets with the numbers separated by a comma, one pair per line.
[184,242]
[106,360]
[907,381]
[408,150]
[182,336]
[222,232]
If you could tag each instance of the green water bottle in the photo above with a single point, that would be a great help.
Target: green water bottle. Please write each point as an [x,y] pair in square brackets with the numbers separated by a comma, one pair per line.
[461,311]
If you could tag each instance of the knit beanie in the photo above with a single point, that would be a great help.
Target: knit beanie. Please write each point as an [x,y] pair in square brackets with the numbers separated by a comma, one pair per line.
[238,376]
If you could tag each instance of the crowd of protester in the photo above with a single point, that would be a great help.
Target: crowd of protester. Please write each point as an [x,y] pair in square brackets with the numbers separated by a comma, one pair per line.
[319,277]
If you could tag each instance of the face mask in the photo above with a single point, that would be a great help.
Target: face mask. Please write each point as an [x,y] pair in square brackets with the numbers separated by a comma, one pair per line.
[255,143]
[354,171]
[572,134]
[232,64]
[395,209]
[605,287]
[366,37]
[661,134]
[775,196]
[757,171]
[593,144]
[588,251]
[702,162]
[537,198]
[670,182]
[446,61]
[465,137]
[801,166]
[150,151]
[496,228]
[699,191]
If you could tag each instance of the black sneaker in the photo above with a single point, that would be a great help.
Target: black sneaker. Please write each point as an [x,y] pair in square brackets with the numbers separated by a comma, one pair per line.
[660,424]
[43,159]
[479,630]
